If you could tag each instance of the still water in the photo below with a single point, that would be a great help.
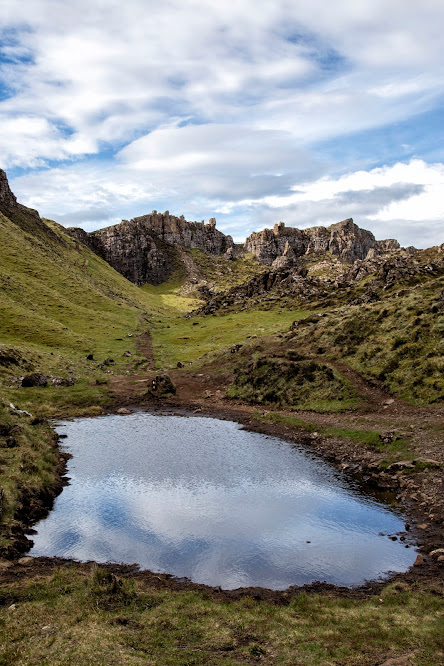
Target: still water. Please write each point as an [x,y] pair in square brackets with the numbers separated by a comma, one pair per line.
[205,499]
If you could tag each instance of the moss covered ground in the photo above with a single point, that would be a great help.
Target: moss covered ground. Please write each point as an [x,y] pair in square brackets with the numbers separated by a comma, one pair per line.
[60,303]
[86,616]
[221,274]
[399,341]
[188,339]
[301,384]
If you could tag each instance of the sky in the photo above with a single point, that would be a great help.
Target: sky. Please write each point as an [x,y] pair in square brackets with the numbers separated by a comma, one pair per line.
[252,112]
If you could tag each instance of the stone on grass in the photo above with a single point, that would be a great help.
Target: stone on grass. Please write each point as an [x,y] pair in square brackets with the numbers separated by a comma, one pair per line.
[35,379]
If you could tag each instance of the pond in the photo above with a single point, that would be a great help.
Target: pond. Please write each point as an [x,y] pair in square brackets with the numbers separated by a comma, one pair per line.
[205,499]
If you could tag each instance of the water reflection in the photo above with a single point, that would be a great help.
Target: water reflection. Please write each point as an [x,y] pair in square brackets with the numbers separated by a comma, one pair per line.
[202,498]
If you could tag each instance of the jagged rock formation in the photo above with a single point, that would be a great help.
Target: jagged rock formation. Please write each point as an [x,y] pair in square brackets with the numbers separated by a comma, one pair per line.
[132,250]
[142,249]
[295,282]
[26,218]
[177,231]
[344,239]
[7,198]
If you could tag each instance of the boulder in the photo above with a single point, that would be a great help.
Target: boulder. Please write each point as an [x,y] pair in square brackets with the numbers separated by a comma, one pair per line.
[35,379]
[162,386]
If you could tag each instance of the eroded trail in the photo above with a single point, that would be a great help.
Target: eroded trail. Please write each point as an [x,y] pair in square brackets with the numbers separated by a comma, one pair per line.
[371,390]
[131,388]
[145,348]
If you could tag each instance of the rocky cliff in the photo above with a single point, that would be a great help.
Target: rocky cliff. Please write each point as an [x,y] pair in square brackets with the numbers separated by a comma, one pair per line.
[143,250]
[177,231]
[281,246]
[26,218]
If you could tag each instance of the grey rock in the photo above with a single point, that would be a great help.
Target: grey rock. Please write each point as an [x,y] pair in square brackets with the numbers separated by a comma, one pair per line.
[344,239]
[62,381]
[143,249]
[35,379]
[162,386]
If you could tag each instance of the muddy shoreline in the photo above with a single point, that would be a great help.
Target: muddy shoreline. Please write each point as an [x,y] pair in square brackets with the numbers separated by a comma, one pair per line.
[424,532]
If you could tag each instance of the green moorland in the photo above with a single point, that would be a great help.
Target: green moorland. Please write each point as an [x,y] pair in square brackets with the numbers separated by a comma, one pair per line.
[60,303]
[221,274]
[188,339]
[302,384]
[28,458]
[398,341]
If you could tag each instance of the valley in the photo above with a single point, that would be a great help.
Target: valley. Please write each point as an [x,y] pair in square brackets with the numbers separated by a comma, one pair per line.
[324,337]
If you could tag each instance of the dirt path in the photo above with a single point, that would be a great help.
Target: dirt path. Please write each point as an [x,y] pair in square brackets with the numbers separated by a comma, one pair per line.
[145,348]
[373,391]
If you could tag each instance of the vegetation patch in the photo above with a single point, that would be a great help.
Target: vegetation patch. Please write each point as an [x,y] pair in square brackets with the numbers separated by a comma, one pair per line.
[66,312]
[398,341]
[398,448]
[222,274]
[166,299]
[303,384]
[84,616]
[188,339]
[289,421]
[29,478]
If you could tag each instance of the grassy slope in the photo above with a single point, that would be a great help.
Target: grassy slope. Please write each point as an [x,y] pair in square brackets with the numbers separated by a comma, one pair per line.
[302,384]
[398,340]
[166,299]
[59,303]
[28,458]
[81,617]
[186,340]
[221,274]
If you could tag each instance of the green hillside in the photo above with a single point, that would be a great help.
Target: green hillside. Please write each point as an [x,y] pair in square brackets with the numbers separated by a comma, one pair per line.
[61,303]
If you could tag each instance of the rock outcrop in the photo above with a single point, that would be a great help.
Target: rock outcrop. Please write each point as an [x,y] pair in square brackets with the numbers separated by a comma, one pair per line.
[177,231]
[344,239]
[143,249]
[8,200]
[383,272]
[26,218]
[132,250]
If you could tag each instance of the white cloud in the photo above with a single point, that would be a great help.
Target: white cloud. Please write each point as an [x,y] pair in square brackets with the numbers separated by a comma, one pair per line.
[108,70]
[204,106]
[403,201]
